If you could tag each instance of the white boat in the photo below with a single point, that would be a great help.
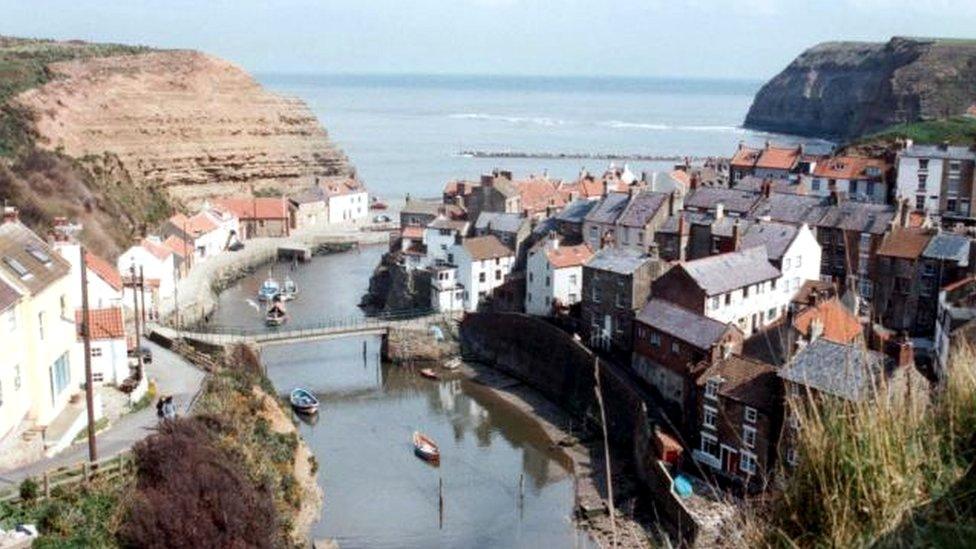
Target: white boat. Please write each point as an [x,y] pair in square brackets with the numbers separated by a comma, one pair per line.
[425,448]
[289,290]
[452,364]
[269,289]
[303,401]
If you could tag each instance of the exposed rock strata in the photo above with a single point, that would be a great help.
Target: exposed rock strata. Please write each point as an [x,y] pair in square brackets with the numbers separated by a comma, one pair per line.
[198,125]
[847,89]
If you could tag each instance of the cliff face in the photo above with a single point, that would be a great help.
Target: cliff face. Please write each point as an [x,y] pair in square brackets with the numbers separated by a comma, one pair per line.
[847,89]
[194,124]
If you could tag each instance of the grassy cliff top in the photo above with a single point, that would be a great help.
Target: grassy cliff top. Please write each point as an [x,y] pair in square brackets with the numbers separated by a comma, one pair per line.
[957,130]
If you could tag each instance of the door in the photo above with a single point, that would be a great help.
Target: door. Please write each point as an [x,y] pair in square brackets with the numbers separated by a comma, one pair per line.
[730,460]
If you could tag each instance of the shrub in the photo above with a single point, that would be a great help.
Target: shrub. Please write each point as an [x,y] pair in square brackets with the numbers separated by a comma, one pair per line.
[29,490]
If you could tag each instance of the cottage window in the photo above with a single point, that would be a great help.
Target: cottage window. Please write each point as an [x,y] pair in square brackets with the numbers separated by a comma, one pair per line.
[498,276]
[655,339]
[675,347]
[715,303]
[750,414]
[709,445]
[619,298]
[748,463]
[595,294]
[60,376]
[711,389]
[450,258]
[923,163]
[745,292]
[786,263]
[572,279]
[771,314]
[815,185]
[921,181]
[749,436]
[96,352]
[481,277]
[799,261]
[920,202]
[547,281]
[531,278]
[710,417]
[728,298]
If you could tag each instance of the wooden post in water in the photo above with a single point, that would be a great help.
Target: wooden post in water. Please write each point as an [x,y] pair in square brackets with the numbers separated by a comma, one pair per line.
[521,490]
[440,500]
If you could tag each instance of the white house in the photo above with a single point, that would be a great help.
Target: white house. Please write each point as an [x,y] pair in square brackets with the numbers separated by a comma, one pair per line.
[446,295]
[109,351]
[791,249]
[210,230]
[554,275]
[440,234]
[348,201]
[482,264]
[858,178]
[104,280]
[937,179]
[158,268]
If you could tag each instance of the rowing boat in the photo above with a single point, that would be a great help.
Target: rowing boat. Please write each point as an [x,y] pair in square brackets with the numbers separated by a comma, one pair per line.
[425,448]
[303,401]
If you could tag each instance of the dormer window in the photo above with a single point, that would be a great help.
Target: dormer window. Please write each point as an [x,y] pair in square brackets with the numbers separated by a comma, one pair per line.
[18,267]
[711,388]
[39,254]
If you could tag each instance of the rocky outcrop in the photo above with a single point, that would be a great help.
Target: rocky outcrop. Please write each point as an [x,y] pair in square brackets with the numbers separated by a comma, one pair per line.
[197,125]
[847,89]
[393,287]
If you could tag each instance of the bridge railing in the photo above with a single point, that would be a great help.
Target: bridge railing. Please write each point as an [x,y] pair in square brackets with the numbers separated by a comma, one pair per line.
[348,322]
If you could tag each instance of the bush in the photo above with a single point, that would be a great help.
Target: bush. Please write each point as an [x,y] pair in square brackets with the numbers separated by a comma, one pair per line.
[190,492]
[29,490]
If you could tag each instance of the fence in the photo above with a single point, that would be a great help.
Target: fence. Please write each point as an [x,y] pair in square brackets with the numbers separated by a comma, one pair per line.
[115,468]
[337,323]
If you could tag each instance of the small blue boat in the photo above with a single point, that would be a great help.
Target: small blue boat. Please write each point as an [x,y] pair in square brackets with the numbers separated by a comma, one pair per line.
[682,486]
[303,401]
[269,290]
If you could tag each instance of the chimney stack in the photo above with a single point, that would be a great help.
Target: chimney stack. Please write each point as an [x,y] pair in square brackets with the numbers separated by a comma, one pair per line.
[694,181]
[671,204]
[735,236]
[719,211]
[767,187]
[10,214]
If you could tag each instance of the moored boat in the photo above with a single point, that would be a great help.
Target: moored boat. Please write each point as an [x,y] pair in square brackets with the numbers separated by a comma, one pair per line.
[269,289]
[425,448]
[276,315]
[429,374]
[303,401]
[452,364]
[289,290]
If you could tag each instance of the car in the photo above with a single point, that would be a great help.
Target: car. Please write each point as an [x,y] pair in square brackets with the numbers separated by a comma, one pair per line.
[146,355]
[236,246]
[382,218]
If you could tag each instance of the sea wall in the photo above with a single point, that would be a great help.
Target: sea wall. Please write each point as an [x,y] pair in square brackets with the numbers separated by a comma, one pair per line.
[550,361]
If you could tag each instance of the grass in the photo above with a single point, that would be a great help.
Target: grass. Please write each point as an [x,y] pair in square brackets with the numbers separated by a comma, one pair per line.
[889,472]
[957,130]
[76,517]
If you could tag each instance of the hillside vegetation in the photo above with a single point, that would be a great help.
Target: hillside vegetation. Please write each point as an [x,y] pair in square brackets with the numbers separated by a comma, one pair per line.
[956,130]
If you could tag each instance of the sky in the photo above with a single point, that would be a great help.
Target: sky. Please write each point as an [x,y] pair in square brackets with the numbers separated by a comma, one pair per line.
[750,39]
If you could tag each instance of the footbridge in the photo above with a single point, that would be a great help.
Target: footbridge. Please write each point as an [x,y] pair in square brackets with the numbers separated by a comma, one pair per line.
[332,328]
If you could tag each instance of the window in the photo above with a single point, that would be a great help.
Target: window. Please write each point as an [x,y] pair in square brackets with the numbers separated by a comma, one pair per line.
[709,445]
[675,347]
[750,414]
[60,376]
[16,377]
[710,417]
[749,436]
[481,277]
[921,181]
[771,314]
[747,463]
[498,276]
[96,352]
[531,278]
[547,280]
[711,389]
[786,263]
[619,298]
[572,279]
[728,298]
[595,294]
[12,320]
[920,202]
[799,261]
[715,303]
[40,324]
[745,292]
[17,267]
[923,163]
[64,306]
[951,204]
[791,456]
[815,185]
[655,339]
[39,254]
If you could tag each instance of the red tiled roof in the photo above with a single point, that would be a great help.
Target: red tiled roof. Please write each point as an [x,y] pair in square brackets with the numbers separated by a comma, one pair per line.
[105,270]
[103,323]
[745,157]
[451,189]
[539,193]
[847,167]
[905,243]
[339,188]
[682,177]
[254,208]
[178,246]
[839,325]
[161,252]
[569,256]
[412,231]
[777,158]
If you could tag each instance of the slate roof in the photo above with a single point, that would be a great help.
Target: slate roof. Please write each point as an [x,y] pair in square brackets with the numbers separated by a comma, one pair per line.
[8,296]
[859,216]
[643,206]
[746,380]
[905,243]
[681,323]
[671,225]
[935,151]
[452,224]
[609,209]
[426,207]
[793,208]
[618,260]
[721,273]
[845,371]
[949,246]
[732,200]
[499,221]
[575,211]
[486,247]
[310,195]
[776,237]
[20,249]
[726,225]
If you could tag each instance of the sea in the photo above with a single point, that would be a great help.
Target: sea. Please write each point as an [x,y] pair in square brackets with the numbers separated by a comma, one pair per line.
[405,133]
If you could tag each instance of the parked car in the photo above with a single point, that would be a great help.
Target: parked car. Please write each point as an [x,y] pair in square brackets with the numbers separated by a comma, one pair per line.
[382,218]
[236,246]
[146,355]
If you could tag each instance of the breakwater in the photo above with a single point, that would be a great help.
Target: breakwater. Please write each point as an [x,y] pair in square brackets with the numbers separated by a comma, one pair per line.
[543,155]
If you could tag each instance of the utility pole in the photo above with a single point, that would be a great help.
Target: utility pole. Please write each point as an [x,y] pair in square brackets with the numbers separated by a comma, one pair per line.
[86,338]
[142,297]
[135,317]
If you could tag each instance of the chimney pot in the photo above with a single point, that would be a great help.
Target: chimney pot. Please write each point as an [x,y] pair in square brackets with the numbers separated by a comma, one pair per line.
[10,214]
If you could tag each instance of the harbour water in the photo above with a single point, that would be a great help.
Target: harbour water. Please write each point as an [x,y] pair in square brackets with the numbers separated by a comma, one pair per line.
[377,493]
[404,132]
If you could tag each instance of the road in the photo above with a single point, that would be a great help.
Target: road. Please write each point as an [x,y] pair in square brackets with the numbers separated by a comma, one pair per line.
[174,376]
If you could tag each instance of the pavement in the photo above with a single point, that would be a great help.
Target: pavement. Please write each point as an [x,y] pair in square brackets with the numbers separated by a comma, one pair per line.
[173,375]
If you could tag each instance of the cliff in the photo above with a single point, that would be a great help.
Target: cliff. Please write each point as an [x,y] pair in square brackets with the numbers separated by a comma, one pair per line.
[841,90]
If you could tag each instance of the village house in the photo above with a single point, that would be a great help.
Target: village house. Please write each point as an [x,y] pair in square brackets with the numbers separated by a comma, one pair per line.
[955,325]
[600,224]
[40,328]
[791,249]
[643,215]
[673,238]
[419,213]
[458,192]
[568,222]
[497,192]
[732,202]
[898,282]
[740,287]
[348,201]
[769,162]
[670,346]
[938,179]
[616,284]
[554,274]
[825,369]
[794,209]
[857,178]
[540,197]
[483,263]
[740,411]
[947,258]
[108,343]
[158,266]
[713,233]
[310,207]
[440,234]
[446,294]
[258,217]
[104,280]
[511,229]
[183,255]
